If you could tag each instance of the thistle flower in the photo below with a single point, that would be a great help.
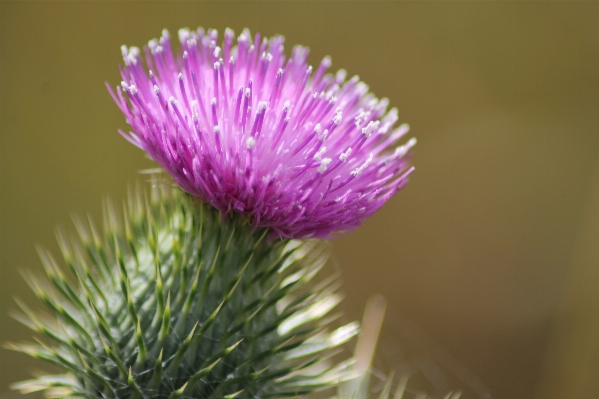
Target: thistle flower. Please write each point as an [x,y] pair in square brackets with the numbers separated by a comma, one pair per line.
[251,132]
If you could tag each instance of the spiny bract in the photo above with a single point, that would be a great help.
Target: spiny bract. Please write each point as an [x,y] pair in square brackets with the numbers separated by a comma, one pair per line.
[183,303]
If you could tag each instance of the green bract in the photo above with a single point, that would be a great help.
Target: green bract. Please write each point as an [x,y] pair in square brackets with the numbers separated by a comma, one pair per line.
[183,302]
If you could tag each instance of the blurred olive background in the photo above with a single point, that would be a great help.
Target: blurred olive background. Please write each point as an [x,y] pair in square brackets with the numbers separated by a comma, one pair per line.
[492,250]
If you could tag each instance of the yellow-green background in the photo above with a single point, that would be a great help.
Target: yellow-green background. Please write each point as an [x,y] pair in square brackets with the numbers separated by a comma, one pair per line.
[493,248]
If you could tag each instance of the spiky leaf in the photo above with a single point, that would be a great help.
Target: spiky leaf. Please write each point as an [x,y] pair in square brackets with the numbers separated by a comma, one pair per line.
[181,301]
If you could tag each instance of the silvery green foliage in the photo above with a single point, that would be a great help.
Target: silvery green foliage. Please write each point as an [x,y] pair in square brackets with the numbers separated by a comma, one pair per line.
[183,302]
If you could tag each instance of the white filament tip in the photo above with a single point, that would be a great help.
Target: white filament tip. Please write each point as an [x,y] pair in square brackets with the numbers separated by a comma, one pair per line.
[371,127]
[337,118]
[192,42]
[385,128]
[361,168]
[324,135]
[401,151]
[340,76]
[244,37]
[250,143]
[194,110]
[362,88]
[324,164]
[184,34]
[344,155]
[344,196]
[130,55]
[383,104]
[320,153]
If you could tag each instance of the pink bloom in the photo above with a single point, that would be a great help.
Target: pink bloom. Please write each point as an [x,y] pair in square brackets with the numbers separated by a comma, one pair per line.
[247,130]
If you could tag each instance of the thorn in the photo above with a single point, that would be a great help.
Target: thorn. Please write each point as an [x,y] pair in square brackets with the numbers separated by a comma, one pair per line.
[177,394]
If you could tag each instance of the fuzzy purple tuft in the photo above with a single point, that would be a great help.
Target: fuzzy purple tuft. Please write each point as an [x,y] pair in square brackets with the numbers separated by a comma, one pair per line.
[249,131]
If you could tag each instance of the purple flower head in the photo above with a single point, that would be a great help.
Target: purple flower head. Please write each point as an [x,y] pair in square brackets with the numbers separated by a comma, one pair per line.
[303,152]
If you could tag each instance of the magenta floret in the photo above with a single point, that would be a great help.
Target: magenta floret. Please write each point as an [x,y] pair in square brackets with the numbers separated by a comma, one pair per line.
[249,131]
